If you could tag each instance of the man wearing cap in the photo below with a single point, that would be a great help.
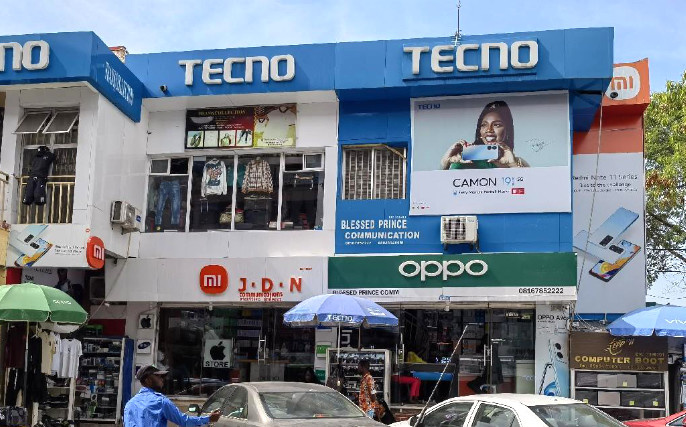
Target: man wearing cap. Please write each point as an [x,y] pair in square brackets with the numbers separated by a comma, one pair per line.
[150,408]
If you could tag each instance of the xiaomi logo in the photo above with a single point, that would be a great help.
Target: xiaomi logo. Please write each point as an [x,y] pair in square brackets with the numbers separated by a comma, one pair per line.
[95,253]
[625,83]
[214,279]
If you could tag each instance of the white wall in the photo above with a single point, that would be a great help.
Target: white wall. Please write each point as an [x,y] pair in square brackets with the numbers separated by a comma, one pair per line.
[118,166]
[110,161]
[316,128]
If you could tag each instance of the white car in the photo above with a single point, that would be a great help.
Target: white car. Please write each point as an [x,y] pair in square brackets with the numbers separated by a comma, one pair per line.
[511,410]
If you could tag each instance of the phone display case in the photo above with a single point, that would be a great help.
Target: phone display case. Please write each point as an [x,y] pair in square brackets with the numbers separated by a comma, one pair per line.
[379,366]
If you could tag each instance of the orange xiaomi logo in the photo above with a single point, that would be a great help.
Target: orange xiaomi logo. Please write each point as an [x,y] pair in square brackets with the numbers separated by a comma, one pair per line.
[214,279]
[95,253]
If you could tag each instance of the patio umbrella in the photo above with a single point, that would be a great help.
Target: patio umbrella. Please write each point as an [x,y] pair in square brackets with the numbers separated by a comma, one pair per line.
[339,310]
[29,302]
[662,320]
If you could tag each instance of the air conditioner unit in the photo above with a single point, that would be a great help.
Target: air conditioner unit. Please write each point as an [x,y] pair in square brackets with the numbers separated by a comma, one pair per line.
[459,229]
[126,215]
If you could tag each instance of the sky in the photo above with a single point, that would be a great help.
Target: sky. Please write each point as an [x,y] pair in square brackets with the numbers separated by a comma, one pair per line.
[651,29]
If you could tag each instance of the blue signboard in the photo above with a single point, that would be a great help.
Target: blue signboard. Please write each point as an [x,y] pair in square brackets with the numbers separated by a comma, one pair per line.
[70,57]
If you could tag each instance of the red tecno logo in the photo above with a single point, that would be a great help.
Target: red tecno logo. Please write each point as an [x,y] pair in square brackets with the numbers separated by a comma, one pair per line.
[95,253]
[214,279]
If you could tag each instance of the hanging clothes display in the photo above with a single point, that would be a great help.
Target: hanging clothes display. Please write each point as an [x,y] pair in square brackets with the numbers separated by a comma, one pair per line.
[34,193]
[214,179]
[258,177]
[168,190]
[49,349]
[70,352]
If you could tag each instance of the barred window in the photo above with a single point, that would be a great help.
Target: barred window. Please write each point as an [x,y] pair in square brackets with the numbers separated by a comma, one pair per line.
[374,172]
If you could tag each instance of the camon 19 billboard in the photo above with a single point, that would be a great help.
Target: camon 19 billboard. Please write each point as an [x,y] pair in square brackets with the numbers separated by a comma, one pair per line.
[491,154]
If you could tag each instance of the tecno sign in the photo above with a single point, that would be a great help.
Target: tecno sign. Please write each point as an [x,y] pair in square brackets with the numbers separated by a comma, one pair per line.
[448,58]
[214,279]
[22,55]
[218,71]
[445,269]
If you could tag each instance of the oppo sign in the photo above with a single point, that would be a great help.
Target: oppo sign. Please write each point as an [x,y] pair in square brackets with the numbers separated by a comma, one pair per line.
[446,269]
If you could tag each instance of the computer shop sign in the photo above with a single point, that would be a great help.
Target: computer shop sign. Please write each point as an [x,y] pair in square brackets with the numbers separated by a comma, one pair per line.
[504,276]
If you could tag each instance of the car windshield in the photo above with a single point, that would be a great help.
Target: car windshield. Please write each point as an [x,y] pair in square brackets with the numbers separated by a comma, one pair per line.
[293,405]
[574,415]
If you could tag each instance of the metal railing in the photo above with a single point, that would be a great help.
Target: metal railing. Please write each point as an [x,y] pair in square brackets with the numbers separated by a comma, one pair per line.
[59,205]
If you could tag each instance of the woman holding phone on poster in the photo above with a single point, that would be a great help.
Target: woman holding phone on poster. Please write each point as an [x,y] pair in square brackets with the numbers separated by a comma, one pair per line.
[493,145]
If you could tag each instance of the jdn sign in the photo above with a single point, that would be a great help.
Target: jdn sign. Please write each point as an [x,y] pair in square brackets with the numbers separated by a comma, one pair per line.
[445,269]
[446,58]
[21,55]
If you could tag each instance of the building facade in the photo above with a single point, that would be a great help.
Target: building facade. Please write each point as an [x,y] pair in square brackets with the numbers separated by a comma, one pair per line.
[194,197]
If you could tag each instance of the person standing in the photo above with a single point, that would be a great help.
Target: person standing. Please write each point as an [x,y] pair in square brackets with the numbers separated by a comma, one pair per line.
[367,398]
[151,408]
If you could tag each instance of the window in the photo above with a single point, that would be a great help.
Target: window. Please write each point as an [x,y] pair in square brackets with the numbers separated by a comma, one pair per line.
[492,415]
[577,414]
[237,404]
[376,172]
[56,130]
[167,195]
[449,415]
[216,401]
[281,191]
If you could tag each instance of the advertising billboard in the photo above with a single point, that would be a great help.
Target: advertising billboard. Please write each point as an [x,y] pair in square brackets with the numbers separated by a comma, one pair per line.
[608,220]
[241,127]
[491,154]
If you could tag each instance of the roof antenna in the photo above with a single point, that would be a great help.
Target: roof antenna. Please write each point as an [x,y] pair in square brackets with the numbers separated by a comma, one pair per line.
[458,34]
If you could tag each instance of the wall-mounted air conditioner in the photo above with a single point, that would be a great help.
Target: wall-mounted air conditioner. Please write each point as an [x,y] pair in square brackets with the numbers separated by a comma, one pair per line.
[459,229]
[126,215]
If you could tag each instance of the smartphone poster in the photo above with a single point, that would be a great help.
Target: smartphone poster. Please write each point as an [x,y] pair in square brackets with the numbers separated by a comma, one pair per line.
[608,184]
[552,376]
[46,246]
[491,154]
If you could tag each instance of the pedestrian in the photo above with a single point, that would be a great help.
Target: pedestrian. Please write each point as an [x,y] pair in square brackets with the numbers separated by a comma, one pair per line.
[151,408]
[310,376]
[367,397]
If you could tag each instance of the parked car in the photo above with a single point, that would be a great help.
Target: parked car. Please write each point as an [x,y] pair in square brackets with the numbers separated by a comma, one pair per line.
[678,419]
[512,410]
[282,404]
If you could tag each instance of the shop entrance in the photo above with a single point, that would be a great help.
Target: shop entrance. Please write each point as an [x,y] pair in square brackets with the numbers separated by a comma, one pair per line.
[496,354]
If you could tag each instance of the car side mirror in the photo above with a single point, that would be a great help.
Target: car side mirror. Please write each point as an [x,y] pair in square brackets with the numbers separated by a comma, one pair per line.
[414,421]
[194,409]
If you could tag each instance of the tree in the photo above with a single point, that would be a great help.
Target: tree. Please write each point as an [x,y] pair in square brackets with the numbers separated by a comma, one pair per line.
[665,155]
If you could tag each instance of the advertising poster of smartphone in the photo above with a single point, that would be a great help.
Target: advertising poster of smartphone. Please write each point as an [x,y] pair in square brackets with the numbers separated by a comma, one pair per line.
[552,376]
[608,198]
[490,154]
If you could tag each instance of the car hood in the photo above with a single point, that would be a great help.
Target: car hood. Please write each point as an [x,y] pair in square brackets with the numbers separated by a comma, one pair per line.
[328,422]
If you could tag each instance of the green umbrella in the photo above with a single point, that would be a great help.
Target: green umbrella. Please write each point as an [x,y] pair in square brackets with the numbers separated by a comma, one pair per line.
[29,302]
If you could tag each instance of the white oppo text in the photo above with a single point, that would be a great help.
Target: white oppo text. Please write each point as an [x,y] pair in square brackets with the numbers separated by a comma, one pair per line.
[434,268]
[443,56]
[269,69]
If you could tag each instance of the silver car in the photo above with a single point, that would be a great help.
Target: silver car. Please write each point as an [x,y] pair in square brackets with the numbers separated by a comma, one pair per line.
[283,404]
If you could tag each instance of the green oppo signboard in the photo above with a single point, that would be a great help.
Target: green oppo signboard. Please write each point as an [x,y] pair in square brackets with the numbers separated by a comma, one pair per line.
[505,276]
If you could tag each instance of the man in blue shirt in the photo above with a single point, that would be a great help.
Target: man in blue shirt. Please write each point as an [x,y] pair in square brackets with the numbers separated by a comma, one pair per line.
[150,408]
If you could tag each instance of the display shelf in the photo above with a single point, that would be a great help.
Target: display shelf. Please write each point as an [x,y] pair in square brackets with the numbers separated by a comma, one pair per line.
[381,372]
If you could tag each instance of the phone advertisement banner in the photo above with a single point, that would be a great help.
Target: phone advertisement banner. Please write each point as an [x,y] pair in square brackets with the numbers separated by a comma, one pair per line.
[608,190]
[43,245]
[241,127]
[552,350]
[491,154]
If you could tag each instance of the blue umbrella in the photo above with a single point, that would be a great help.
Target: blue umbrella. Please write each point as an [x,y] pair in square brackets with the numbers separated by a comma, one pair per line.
[339,310]
[663,320]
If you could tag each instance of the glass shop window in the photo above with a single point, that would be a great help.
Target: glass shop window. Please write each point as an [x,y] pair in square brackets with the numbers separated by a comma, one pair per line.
[212,192]
[377,172]
[258,197]
[303,192]
[167,195]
